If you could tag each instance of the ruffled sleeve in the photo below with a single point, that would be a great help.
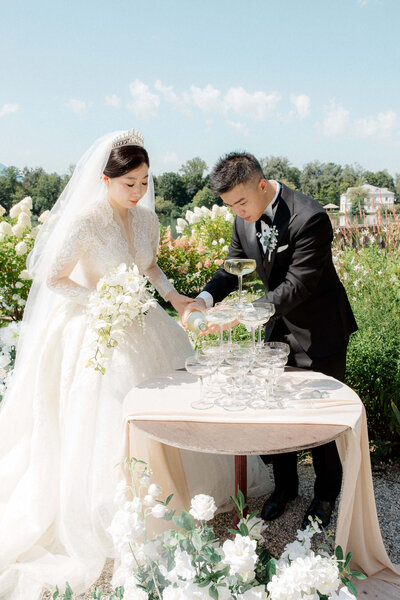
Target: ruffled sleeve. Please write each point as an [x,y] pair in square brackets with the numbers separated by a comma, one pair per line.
[156,276]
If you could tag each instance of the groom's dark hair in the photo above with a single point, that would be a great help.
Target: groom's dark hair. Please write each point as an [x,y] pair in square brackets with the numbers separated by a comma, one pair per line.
[125,159]
[232,169]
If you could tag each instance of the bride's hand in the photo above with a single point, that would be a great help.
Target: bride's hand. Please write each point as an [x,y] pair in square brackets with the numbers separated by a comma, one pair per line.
[180,302]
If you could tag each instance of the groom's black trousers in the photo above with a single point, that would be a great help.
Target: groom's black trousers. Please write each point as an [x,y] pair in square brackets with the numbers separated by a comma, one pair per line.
[327,465]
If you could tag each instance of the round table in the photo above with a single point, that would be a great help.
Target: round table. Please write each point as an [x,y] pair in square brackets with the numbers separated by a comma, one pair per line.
[240,439]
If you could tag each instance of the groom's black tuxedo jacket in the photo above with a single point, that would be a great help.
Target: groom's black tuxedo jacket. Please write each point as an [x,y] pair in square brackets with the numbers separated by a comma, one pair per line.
[300,279]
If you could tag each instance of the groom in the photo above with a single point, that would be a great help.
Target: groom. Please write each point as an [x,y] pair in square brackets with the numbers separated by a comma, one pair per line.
[289,235]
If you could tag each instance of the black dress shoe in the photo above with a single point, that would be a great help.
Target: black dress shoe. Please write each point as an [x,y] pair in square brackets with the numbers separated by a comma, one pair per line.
[275,506]
[321,509]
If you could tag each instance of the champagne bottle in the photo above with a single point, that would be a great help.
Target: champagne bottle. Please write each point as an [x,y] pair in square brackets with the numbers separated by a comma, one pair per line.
[196,322]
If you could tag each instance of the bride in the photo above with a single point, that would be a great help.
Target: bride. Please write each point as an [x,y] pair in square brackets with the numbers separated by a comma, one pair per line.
[61,424]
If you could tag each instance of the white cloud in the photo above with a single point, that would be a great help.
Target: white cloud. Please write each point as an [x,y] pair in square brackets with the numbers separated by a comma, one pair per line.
[337,120]
[145,103]
[167,91]
[77,106]
[8,109]
[362,2]
[382,127]
[239,127]
[257,105]
[113,100]
[302,105]
[207,99]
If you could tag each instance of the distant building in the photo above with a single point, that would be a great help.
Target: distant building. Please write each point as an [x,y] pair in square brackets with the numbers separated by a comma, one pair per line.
[374,198]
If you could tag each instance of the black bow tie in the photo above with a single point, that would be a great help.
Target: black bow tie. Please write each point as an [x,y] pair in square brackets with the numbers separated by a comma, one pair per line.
[266,220]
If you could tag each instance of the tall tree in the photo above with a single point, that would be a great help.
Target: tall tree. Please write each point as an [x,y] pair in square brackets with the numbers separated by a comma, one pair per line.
[10,187]
[280,168]
[172,188]
[193,175]
[381,179]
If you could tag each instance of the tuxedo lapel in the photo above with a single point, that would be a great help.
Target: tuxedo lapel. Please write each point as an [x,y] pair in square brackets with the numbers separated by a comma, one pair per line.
[283,218]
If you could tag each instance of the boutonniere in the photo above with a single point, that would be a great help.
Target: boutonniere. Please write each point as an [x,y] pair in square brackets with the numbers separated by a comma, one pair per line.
[269,240]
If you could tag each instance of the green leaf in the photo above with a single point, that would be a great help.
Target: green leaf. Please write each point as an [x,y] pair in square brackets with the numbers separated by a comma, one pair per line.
[184,521]
[244,530]
[351,587]
[339,553]
[241,500]
[168,500]
[213,592]
[270,567]
[197,541]
[56,594]
[348,559]
[222,573]
[358,575]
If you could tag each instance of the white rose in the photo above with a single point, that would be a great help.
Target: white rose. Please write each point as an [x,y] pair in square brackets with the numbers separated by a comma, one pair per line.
[132,592]
[183,567]
[203,507]
[44,216]
[2,210]
[21,248]
[24,275]
[159,511]
[24,220]
[125,527]
[149,500]
[18,230]
[173,593]
[240,555]
[15,211]
[154,490]
[6,228]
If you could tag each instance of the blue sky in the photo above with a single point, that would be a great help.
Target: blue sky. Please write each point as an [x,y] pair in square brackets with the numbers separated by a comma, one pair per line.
[310,79]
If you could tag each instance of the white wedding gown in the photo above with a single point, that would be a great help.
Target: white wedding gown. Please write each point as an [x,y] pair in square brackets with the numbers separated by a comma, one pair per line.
[57,458]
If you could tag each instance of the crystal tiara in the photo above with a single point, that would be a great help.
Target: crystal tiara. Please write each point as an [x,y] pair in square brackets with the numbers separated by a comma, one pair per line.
[128,138]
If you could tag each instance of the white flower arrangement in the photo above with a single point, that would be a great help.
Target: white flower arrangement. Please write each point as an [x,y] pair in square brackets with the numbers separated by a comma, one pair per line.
[269,240]
[189,562]
[8,345]
[121,297]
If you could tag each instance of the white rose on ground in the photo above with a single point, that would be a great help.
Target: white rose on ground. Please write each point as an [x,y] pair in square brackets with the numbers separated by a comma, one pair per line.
[159,511]
[149,500]
[173,593]
[2,210]
[125,527]
[21,248]
[43,217]
[5,228]
[240,555]
[203,507]
[132,591]
[24,275]
[15,211]
[154,490]
[18,230]
[24,220]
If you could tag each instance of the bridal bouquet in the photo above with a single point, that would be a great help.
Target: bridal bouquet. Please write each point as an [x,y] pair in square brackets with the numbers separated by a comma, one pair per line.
[121,297]
[189,562]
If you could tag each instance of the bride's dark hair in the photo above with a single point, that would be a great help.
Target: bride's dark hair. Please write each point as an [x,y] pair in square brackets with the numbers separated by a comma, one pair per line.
[124,159]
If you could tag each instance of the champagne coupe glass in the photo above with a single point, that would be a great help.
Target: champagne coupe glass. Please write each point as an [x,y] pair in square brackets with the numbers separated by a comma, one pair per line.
[217,315]
[277,348]
[240,267]
[240,360]
[210,353]
[233,311]
[201,370]
[253,317]
[267,306]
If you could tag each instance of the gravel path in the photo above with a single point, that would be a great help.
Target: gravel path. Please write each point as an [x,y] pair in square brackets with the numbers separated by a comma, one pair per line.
[386,480]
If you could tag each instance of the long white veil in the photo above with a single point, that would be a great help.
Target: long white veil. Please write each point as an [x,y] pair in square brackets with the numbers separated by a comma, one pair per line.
[29,447]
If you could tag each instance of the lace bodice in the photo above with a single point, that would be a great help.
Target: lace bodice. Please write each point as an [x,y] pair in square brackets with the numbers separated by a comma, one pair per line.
[97,243]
